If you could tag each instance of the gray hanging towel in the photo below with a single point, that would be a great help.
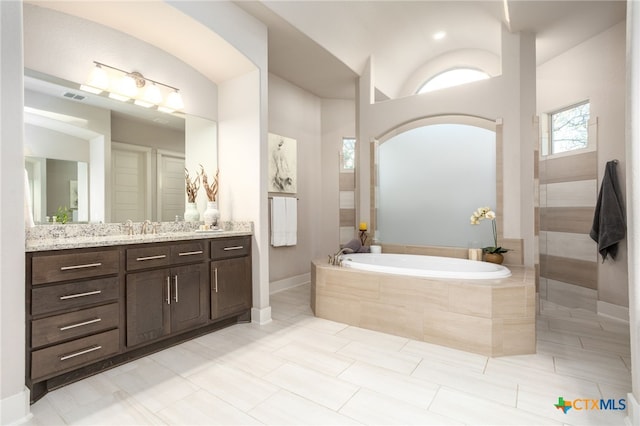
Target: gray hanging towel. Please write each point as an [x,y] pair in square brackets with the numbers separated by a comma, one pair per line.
[609,225]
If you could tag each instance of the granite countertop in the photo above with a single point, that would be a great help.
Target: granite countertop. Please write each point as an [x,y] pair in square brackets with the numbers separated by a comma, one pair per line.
[70,236]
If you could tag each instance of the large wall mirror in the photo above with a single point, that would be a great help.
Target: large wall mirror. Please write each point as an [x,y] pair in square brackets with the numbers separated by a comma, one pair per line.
[431,176]
[65,133]
[129,160]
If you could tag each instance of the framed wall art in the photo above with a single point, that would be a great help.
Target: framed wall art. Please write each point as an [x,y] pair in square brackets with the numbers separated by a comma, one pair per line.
[282,164]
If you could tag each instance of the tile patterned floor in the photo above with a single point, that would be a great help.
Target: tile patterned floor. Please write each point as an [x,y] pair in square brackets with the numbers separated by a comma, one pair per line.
[304,370]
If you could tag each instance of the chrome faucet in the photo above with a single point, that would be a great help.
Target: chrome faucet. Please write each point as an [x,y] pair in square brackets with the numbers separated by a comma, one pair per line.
[128,225]
[144,226]
[336,259]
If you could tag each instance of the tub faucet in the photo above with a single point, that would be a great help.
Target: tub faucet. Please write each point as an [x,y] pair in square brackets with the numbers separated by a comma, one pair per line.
[336,259]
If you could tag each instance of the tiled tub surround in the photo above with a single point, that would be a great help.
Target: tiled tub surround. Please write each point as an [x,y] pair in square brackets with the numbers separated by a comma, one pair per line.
[488,317]
[68,236]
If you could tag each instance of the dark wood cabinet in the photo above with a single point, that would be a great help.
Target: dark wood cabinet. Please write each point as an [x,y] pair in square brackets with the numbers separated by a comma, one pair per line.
[165,301]
[73,310]
[190,301]
[148,313]
[230,277]
[92,308]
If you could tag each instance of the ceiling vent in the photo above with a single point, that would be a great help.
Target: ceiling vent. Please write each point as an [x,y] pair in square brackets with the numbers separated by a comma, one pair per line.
[74,96]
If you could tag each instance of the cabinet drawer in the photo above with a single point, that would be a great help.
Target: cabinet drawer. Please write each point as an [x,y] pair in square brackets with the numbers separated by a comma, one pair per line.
[72,266]
[74,324]
[147,257]
[196,251]
[230,247]
[63,297]
[70,355]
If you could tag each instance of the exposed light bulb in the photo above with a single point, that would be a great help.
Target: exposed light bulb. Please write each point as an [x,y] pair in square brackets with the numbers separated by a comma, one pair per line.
[150,97]
[124,89]
[174,101]
[98,81]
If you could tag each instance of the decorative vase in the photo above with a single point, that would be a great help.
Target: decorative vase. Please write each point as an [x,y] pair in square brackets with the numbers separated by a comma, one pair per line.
[211,215]
[191,213]
[494,258]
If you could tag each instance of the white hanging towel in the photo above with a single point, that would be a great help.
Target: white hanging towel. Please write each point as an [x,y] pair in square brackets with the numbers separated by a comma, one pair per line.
[278,221]
[284,221]
[291,238]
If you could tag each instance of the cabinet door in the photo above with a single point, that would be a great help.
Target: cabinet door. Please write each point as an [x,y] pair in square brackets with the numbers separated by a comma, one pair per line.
[148,308]
[189,296]
[230,286]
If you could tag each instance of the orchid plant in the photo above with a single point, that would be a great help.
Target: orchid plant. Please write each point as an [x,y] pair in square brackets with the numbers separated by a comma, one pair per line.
[487,213]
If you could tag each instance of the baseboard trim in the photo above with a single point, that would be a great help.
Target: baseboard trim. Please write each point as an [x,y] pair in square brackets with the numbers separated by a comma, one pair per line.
[261,316]
[15,408]
[291,282]
[613,311]
[633,411]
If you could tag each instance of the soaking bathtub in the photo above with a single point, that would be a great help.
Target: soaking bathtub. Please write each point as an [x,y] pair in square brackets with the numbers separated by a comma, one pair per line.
[468,305]
[425,266]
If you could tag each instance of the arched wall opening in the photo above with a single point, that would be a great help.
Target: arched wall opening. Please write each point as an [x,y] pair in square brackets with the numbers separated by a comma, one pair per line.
[430,175]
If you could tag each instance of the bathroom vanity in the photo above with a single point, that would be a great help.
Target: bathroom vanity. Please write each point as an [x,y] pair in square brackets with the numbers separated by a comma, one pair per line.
[94,303]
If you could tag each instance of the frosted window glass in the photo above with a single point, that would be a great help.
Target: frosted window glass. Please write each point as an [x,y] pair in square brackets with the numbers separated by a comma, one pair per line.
[431,179]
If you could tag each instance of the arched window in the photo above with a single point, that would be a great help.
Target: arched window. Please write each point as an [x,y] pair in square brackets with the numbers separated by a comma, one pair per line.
[454,77]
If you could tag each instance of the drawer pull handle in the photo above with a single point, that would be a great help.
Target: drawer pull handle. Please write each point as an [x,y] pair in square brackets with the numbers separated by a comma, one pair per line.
[168,290]
[87,265]
[82,352]
[233,248]
[73,296]
[142,259]
[215,274]
[190,253]
[80,324]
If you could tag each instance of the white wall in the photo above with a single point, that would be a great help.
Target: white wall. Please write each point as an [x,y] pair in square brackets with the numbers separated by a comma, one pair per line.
[242,131]
[295,113]
[338,121]
[319,126]
[14,397]
[595,71]
[633,193]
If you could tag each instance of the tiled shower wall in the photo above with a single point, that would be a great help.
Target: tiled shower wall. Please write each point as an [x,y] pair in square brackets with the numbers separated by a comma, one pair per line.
[568,256]
[347,206]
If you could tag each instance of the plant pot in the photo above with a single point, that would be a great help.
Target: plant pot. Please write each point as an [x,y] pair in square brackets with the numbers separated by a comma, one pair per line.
[211,215]
[191,214]
[497,258]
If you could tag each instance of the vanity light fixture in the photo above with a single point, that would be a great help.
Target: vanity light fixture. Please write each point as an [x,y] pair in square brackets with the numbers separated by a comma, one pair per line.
[125,86]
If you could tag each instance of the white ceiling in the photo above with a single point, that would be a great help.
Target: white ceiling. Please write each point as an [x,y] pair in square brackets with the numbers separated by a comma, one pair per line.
[323,45]
[304,35]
